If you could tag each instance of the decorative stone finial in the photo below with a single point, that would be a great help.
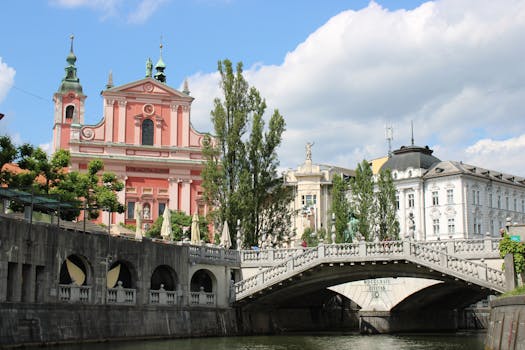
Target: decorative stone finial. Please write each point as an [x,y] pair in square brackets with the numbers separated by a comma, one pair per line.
[185,88]
[109,84]
[149,68]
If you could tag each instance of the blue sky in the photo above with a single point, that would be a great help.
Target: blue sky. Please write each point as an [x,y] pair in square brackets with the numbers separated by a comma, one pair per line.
[339,71]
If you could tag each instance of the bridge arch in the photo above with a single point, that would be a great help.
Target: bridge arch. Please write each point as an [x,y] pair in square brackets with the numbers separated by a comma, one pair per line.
[75,269]
[165,276]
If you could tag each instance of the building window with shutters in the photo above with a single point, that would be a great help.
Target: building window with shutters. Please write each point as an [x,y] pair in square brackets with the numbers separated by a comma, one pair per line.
[435,198]
[130,210]
[162,207]
[411,200]
[435,226]
[451,226]
[450,196]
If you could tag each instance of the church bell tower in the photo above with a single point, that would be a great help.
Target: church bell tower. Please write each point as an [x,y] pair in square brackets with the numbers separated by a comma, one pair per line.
[69,105]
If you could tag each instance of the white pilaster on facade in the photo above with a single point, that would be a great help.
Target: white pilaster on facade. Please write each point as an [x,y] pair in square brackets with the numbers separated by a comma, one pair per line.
[108,112]
[185,126]
[186,200]
[122,122]
[173,192]
[136,130]
[173,125]
[158,131]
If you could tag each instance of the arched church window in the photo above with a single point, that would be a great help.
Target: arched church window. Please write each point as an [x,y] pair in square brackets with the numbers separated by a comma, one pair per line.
[70,110]
[147,132]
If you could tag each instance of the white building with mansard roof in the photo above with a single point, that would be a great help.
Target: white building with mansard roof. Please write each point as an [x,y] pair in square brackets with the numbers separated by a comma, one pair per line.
[448,199]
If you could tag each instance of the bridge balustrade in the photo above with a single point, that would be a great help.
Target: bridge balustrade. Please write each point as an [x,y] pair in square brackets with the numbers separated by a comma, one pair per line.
[214,254]
[415,252]
[121,295]
[468,248]
[72,293]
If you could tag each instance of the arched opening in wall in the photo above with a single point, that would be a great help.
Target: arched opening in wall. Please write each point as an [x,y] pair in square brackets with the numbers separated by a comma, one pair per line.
[147,132]
[74,270]
[164,275]
[202,280]
[70,111]
[121,272]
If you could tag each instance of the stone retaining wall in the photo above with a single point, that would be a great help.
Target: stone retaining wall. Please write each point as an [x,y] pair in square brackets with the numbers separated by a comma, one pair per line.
[39,324]
[506,330]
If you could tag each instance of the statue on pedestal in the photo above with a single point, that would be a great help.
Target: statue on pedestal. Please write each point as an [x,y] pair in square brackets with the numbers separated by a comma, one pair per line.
[309,150]
[349,234]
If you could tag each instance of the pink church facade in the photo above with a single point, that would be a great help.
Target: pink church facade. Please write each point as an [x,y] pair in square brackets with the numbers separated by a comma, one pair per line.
[145,137]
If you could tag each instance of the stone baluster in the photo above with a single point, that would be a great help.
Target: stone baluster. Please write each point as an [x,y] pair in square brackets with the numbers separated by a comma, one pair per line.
[362,249]
[321,251]
[487,244]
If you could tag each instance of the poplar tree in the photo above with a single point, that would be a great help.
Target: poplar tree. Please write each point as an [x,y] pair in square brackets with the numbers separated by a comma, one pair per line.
[386,206]
[362,204]
[240,175]
[340,206]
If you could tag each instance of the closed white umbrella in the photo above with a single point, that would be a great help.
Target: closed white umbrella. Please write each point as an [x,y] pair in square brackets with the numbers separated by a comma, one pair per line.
[195,232]
[225,237]
[165,230]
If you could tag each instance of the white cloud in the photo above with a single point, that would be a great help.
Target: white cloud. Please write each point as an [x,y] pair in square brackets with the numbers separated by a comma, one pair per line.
[136,11]
[47,147]
[502,155]
[7,79]
[454,67]
[145,10]
[107,7]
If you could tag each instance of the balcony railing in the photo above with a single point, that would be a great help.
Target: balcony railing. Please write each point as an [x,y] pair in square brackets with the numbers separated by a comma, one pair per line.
[72,293]
[202,298]
[121,295]
[163,297]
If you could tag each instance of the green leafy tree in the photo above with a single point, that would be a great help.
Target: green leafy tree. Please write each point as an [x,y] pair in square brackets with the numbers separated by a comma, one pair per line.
[240,176]
[96,191]
[517,249]
[340,207]
[362,204]
[386,206]
[44,172]
[8,153]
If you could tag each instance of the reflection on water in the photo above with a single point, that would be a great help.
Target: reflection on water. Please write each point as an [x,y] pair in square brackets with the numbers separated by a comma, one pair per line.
[463,341]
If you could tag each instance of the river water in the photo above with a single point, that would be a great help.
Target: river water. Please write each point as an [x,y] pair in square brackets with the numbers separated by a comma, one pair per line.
[449,341]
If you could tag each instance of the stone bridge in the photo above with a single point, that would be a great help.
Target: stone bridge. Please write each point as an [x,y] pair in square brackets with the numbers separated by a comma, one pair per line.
[289,288]
[328,265]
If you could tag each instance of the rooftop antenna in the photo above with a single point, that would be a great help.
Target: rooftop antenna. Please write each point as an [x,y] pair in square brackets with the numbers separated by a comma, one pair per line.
[389,135]
[412,127]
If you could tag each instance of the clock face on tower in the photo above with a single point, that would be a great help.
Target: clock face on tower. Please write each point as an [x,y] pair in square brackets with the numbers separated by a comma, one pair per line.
[148,109]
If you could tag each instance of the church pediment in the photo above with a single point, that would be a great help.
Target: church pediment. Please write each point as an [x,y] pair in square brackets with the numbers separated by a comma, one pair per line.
[147,86]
